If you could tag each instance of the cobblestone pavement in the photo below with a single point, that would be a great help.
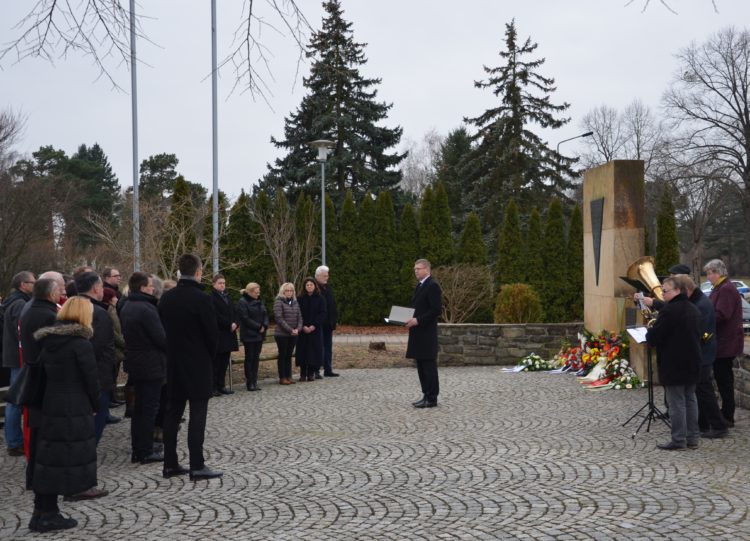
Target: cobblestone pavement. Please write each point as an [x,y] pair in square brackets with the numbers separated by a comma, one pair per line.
[504,456]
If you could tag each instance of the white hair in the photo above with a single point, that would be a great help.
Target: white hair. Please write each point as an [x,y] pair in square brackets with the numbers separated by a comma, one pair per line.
[320,270]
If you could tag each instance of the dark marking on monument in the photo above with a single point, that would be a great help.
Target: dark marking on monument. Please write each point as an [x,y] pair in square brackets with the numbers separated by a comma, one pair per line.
[597,215]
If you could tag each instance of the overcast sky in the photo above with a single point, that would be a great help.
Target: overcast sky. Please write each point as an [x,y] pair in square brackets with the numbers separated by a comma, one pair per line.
[427,52]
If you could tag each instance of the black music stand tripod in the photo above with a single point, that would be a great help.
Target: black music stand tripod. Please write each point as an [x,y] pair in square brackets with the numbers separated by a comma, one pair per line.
[653,413]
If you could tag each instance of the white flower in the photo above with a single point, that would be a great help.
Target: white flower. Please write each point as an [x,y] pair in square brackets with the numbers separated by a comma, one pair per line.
[628,386]
[618,387]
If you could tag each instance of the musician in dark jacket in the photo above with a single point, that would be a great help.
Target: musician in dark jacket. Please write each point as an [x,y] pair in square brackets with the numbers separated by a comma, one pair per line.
[253,326]
[226,320]
[145,363]
[423,343]
[189,320]
[310,341]
[90,286]
[65,461]
[676,335]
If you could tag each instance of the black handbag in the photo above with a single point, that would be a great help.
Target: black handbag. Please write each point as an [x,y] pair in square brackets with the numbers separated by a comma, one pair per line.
[28,387]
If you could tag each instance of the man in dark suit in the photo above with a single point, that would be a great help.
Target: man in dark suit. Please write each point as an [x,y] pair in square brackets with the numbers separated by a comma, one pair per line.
[227,323]
[189,320]
[423,342]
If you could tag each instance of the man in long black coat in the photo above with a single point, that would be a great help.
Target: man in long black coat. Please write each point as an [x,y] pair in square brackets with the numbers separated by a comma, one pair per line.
[189,320]
[423,340]
[676,335]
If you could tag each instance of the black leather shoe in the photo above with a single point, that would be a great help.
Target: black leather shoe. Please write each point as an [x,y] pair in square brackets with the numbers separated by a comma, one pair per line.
[174,472]
[670,446]
[115,403]
[331,374]
[113,419]
[693,445]
[205,473]
[253,387]
[225,390]
[427,404]
[216,393]
[418,403]
[15,451]
[715,434]
[48,522]
[153,457]
[317,376]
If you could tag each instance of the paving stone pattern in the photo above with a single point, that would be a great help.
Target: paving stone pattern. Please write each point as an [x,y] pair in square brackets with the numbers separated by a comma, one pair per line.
[504,456]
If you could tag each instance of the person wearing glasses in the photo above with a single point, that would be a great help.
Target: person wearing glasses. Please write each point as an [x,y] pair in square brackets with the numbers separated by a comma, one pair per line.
[288,318]
[112,278]
[676,335]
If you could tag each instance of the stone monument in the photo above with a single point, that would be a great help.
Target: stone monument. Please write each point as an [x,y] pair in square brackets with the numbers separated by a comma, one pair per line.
[613,238]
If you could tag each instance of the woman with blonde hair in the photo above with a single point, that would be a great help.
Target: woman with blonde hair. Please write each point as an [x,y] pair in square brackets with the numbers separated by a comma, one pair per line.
[65,459]
[288,320]
[253,326]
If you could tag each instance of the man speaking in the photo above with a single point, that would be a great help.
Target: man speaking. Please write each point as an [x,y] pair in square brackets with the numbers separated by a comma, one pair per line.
[423,341]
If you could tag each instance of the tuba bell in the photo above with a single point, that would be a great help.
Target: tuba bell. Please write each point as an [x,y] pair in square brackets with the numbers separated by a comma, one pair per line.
[642,270]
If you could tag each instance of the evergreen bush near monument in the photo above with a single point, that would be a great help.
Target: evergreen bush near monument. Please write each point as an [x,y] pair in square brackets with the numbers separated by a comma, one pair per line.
[471,247]
[518,303]
[347,266]
[575,266]
[511,267]
[408,253]
[443,249]
[535,275]
[667,246]
[556,287]
[385,254]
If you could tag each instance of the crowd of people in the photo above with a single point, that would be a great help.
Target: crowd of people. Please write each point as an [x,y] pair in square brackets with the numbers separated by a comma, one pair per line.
[697,340]
[67,337]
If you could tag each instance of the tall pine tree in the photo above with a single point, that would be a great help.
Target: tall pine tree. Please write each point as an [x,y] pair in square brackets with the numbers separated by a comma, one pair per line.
[408,253]
[341,106]
[453,151]
[508,159]
[535,275]
[346,263]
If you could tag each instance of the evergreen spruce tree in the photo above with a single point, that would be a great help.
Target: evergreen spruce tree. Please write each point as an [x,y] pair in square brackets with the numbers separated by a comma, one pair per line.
[408,253]
[508,159]
[511,265]
[575,266]
[471,247]
[555,292]
[341,105]
[535,275]
[667,247]
[443,248]
[368,294]
[347,266]
[453,151]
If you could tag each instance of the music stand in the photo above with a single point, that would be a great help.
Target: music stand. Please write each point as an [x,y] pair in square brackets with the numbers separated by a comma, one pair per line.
[653,412]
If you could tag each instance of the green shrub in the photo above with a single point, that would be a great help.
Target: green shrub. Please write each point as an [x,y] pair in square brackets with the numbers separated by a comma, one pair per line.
[518,303]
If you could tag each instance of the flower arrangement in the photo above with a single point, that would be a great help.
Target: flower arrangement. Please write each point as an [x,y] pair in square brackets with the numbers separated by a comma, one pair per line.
[534,363]
[627,380]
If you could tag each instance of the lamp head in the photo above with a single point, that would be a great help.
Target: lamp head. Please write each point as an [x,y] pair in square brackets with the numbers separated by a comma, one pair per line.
[323,146]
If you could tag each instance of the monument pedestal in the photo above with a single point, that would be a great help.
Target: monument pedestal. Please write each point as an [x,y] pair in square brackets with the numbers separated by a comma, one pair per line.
[613,237]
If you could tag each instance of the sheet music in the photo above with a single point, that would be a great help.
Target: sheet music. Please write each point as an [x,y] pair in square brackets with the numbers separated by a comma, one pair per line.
[638,334]
[400,315]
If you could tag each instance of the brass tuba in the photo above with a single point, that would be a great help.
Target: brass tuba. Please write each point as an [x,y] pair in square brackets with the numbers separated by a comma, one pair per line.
[643,271]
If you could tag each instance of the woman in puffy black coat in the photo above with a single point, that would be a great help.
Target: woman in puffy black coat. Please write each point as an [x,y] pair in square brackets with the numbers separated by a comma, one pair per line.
[65,460]
[145,363]
[310,342]
[288,320]
[253,326]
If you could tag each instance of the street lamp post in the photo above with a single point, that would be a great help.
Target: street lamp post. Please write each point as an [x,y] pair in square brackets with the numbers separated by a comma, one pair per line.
[323,146]
[587,134]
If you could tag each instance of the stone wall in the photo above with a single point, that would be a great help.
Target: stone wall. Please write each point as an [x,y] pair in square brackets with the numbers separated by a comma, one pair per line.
[475,344]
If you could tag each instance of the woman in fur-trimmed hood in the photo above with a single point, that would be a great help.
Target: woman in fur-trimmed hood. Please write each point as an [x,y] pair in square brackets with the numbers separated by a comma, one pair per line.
[65,458]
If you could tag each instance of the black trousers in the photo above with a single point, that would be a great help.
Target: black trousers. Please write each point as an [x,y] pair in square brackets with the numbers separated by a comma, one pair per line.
[196,431]
[221,363]
[724,376]
[45,503]
[147,399]
[252,359]
[286,349]
[709,414]
[428,378]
